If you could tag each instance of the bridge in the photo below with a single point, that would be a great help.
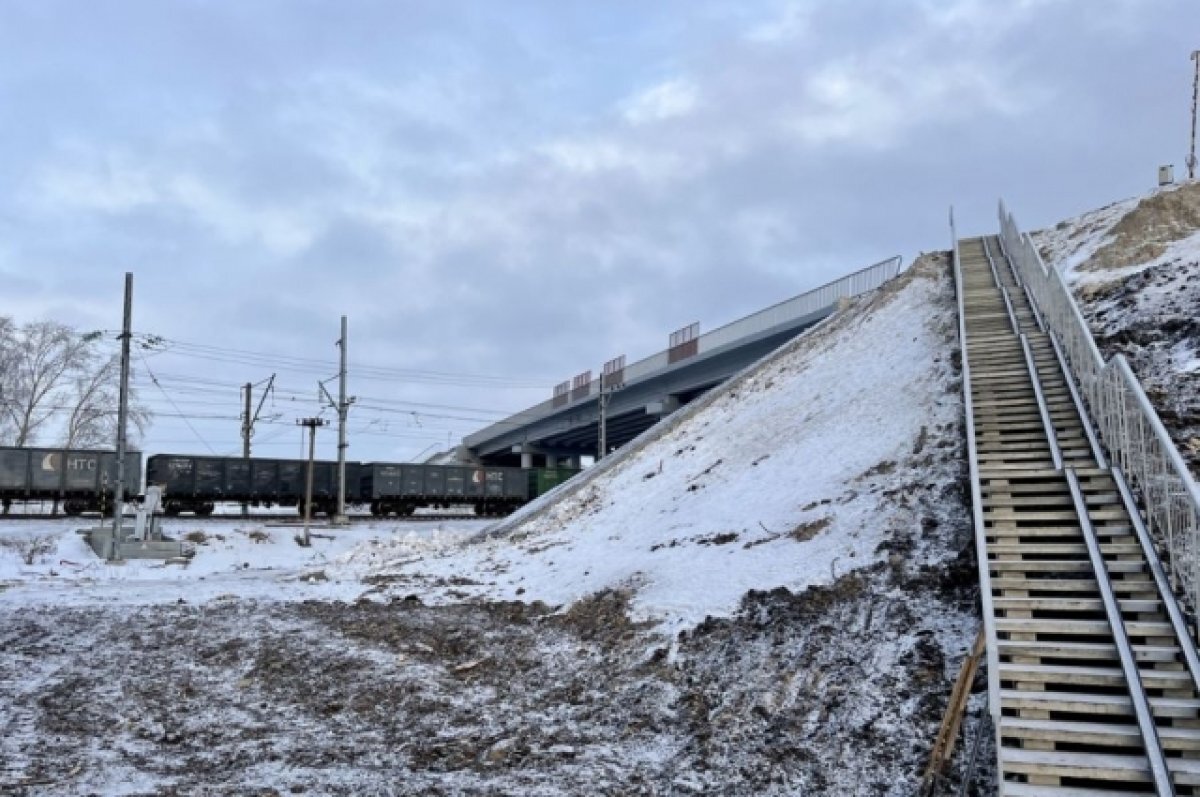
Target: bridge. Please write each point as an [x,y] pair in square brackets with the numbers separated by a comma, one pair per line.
[634,397]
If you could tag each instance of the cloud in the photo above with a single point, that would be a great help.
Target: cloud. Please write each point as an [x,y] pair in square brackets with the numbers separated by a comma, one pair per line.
[530,191]
[667,100]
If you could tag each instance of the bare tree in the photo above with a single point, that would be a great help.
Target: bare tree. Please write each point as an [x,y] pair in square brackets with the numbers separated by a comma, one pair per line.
[45,354]
[92,397]
[7,352]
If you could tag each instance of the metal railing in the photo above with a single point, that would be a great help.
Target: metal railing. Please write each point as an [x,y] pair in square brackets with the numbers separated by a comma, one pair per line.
[1129,427]
[786,312]
[981,554]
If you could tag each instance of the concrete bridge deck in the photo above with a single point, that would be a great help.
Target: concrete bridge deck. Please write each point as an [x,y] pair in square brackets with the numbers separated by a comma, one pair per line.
[637,396]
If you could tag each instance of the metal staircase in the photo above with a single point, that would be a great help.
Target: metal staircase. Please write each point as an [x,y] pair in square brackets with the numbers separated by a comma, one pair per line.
[1093,677]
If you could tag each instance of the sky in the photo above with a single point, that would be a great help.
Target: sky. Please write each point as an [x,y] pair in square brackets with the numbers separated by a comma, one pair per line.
[500,195]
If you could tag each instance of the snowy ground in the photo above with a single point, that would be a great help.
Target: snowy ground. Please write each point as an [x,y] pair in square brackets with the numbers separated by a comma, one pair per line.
[48,562]
[770,594]
[1135,266]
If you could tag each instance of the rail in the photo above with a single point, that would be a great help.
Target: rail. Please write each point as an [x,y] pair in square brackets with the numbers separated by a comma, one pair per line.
[1129,427]
[785,312]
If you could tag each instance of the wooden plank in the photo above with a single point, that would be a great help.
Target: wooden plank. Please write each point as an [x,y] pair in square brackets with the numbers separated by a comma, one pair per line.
[1093,766]
[1096,733]
[1096,766]
[1136,628]
[1085,703]
[1080,675]
[1074,604]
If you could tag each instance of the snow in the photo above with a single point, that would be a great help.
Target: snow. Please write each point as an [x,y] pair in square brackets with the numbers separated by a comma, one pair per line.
[47,561]
[692,518]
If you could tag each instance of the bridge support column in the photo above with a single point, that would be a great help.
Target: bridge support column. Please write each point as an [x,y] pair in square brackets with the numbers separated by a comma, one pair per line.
[526,452]
[663,407]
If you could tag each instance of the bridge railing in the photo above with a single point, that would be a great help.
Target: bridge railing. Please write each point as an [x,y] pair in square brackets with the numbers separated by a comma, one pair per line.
[1129,427]
[790,310]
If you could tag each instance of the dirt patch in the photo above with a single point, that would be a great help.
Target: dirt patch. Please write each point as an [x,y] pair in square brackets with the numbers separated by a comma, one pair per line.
[1146,231]
[806,531]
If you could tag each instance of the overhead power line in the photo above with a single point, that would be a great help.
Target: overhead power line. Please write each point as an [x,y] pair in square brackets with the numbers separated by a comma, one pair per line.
[160,344]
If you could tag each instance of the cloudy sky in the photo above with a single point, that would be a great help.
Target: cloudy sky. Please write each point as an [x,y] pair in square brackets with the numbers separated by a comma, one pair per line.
[502,194]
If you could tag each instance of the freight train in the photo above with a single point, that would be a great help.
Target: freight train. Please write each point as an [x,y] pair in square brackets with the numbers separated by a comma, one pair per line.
[82,481]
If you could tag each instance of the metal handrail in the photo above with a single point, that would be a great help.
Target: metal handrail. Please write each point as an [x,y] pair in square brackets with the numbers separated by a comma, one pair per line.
[787,311]
[1130,428]
[1112,611]
[981,554]
[1040,396]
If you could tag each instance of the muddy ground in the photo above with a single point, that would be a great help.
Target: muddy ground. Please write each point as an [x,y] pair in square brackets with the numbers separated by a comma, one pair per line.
[838,690]
[1150,317]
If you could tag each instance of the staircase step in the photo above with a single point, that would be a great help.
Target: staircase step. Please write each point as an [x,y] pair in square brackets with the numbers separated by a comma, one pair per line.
[1096,733]
[1134,628]
[1140,606]
[1092,676]
[1095,766]
[1087,703]
[1085,651]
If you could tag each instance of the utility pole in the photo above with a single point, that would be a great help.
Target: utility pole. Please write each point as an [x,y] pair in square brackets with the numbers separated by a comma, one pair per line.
[122,418]
[343,408]
[603,449]
[1191,161]
[612,377]
[312,424]
[248,426]
[246,422]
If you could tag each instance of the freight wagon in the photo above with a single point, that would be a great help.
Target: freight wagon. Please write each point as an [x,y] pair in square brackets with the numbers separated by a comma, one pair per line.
[195,484]
[400,489]
[82,480]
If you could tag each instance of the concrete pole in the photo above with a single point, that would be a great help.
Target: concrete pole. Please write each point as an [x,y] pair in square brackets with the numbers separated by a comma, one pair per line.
[1191,163]
[312,424]
[603,445]
[246,442]
[122,419]
[342,408]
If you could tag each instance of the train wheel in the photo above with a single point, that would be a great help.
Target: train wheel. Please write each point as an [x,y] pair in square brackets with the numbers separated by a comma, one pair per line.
[73,507]
[205,509]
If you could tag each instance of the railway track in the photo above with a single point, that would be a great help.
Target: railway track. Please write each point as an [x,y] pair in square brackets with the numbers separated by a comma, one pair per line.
[1090,662]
